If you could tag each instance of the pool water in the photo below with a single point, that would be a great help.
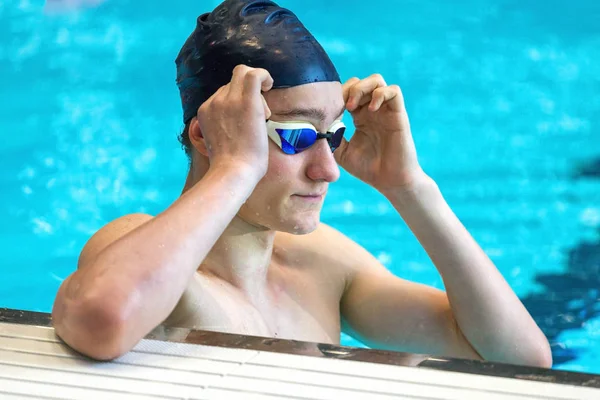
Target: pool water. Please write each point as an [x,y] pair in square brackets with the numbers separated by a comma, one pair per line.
[502,96]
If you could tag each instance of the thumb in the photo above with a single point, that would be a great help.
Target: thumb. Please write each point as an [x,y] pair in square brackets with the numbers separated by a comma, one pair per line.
[266,107]
[340,153]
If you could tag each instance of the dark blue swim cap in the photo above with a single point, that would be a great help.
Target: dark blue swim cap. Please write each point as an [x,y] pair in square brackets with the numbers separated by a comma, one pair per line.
[256,33]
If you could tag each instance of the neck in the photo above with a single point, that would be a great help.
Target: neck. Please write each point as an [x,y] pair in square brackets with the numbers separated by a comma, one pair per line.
[242,254]
[242,257]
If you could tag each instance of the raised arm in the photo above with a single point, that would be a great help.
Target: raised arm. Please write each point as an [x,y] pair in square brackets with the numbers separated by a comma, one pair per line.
[479,316]
[133,272]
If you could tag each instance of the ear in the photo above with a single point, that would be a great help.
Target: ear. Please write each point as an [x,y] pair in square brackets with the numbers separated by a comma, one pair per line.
[196,137]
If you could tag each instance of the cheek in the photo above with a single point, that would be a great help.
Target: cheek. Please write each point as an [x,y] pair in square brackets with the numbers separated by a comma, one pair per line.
[283,168]
[272,194]
[276,185]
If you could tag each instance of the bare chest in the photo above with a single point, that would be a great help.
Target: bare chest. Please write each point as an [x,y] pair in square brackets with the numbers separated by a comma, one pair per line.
[305,310]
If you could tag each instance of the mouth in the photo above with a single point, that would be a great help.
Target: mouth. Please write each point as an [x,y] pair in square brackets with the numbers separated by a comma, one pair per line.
[311,196]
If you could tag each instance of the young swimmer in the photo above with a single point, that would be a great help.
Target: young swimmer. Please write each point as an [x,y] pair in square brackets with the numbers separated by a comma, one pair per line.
[242,250]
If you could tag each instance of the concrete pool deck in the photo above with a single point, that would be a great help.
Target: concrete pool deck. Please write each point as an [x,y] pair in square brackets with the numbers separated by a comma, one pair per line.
[184,364]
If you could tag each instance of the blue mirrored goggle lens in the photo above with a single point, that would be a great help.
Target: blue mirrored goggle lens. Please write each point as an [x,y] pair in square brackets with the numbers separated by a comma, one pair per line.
[295,140]
[336,139]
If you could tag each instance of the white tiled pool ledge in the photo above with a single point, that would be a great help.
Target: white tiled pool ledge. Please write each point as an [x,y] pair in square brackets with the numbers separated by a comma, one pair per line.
[34,364]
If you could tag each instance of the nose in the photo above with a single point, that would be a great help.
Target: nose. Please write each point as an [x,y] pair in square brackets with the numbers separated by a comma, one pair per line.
[321,163]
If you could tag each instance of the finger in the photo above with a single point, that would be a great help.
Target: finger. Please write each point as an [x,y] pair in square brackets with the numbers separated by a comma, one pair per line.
[257,80]
[238,76]
[380,95]
[361,92]
[346,87]
[377,100]
[391,95]
[362,89]
[267,81]
[366,99]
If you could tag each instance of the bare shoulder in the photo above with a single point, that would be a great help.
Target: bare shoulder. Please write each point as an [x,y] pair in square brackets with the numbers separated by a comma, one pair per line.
[329,252]
[109,233]
[347,254]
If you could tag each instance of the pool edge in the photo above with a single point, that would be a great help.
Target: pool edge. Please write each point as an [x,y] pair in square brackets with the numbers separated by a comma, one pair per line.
[293,347]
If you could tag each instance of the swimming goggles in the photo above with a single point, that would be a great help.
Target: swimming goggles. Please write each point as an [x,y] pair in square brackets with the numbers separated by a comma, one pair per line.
[294,136]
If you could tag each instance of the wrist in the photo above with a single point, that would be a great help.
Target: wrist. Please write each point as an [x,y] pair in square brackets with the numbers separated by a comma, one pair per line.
[421,188]
[239,181]
[243,172]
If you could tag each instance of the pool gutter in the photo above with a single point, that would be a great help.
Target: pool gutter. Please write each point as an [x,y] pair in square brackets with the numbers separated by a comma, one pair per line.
[11,321]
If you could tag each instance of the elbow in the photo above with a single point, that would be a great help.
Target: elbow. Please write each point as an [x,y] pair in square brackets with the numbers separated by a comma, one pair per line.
[539,361]
[539,355]
[93,328]
[546,362]
[543,357]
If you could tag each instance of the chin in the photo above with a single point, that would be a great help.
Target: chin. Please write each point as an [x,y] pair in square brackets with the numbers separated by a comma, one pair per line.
[302,226]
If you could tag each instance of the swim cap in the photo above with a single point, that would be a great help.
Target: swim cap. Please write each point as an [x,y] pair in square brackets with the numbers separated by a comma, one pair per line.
[259,34]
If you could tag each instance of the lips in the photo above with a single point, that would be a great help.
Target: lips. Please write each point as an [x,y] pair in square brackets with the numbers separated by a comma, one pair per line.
[312,195]
[315,195]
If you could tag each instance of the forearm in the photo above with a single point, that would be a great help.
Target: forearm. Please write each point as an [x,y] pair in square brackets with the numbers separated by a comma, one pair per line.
[139,278]
[488,312]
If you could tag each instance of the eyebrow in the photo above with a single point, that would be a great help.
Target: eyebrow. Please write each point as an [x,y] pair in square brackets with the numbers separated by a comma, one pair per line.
[313,113]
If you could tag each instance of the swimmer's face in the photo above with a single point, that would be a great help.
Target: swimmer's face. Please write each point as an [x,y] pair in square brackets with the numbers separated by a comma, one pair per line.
[277,203]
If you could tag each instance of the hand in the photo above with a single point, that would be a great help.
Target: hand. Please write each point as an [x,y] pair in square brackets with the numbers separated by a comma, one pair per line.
[232,122]
[382,152]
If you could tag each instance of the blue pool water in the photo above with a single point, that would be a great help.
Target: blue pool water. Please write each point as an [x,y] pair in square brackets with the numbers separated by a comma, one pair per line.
[502,96]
